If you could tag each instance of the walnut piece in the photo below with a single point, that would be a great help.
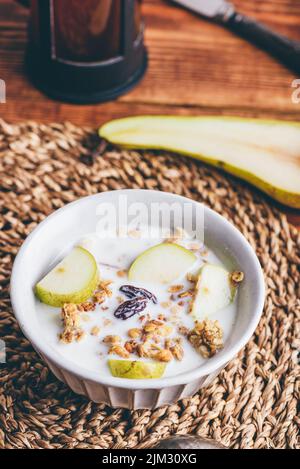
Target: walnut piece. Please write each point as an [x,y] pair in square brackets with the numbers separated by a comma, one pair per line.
[206,337]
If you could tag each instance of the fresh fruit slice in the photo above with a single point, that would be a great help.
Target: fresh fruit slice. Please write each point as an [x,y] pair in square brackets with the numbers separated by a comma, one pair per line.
[162,263]
[214,291]
[265,153]
[136,369]
[73,280]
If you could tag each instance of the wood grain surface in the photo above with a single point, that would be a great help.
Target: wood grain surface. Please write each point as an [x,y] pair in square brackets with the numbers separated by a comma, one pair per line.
[196,67]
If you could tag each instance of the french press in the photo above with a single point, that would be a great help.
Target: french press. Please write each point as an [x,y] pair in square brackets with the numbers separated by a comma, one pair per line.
[85,51]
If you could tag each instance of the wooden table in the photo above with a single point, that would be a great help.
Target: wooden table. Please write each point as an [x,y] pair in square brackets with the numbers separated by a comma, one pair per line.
[196,67]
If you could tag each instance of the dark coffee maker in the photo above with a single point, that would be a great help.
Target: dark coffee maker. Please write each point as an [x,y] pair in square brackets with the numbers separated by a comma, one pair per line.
[85,51]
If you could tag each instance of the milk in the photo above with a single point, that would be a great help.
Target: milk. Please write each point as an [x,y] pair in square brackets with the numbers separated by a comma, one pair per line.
[112,255]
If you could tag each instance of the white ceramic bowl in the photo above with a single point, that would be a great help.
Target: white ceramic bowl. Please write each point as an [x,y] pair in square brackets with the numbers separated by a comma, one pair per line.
[47,242]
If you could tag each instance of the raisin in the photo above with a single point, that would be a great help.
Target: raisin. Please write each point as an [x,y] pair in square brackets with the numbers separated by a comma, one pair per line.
[135,292]
[130,308]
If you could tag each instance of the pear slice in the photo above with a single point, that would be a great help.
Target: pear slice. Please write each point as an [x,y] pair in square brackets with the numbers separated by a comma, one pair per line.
[214,291]
[73,280]
[162,263]
[136,369]
[265,153]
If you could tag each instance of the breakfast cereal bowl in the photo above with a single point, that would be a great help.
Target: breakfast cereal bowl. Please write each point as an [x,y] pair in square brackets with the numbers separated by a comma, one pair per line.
[180,271]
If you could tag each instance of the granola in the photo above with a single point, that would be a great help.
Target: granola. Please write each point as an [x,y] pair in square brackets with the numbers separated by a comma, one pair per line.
[99,297]
[153,326]
[70,316]
[121,273]
[175,288]
[175,347]
[107,322]
[134,333]
[164,355]
[184,294]
[236,277]
[176,309]
[206,337]
[95,330]
[131,346]
[178,235]
[103,291]
[119,350]
[183,330]
[135,234]
[159,327]
[192,278]
[177,351]
[85,317]
[161,317]
[112,339]
[87,306]
[80,335]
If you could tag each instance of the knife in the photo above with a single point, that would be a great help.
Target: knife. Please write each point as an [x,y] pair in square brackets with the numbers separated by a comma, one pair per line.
[282,48]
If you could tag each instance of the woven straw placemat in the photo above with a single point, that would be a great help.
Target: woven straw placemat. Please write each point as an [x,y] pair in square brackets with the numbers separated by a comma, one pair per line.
[252,403]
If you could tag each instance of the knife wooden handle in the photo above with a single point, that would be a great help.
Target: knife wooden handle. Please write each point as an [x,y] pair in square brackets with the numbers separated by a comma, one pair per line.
[285,50]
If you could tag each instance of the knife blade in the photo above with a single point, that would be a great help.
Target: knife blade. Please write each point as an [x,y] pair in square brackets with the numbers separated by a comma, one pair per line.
[286,50]
[209,8]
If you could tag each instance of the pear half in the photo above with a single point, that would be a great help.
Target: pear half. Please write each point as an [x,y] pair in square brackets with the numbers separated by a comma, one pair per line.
[265,153]
[136,369]
[162,263]
[73,280]
[214,291]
